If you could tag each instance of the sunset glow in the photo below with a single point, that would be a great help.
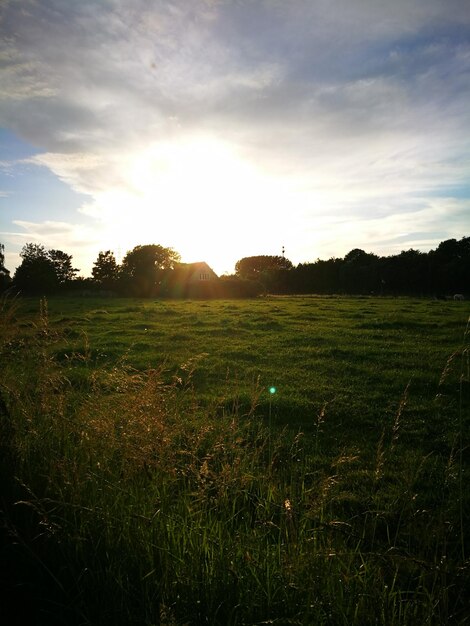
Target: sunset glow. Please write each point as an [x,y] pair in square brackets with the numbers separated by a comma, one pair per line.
[178,194]
[229,129]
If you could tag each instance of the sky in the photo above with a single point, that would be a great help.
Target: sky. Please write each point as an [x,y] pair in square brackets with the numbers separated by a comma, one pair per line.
[232,128]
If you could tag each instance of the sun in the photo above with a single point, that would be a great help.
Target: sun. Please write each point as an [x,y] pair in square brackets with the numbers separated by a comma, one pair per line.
[199,196]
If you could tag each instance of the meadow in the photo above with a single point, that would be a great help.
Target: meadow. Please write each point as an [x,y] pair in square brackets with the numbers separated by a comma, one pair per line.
[284,460]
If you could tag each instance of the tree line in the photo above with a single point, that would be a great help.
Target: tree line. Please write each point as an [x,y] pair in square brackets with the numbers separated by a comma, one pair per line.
[154,270]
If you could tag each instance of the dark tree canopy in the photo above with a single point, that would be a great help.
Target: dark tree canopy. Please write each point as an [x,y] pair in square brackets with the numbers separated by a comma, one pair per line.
[144,266]
[149,270]
[105,269]
[4,273]
[43,271]
[449,266]
[3,269]
[149,257]
[451,249]
[440,273]
[358,256]
[63,265]
[252,267]
[36,275]
[33,252]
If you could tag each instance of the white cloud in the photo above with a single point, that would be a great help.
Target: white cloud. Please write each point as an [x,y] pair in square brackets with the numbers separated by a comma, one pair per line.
[169,114]
[75,239]
[86,172]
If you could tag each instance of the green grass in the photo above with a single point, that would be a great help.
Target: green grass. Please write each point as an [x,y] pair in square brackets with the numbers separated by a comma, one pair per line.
[356,354]
[157,481]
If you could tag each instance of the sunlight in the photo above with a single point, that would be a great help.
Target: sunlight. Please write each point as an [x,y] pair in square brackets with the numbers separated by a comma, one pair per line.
[198,197]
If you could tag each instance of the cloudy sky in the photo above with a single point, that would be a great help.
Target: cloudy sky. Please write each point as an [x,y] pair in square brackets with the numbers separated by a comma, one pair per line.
[229,128]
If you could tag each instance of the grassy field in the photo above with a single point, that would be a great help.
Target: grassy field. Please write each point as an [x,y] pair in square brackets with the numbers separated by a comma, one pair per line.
[158,481]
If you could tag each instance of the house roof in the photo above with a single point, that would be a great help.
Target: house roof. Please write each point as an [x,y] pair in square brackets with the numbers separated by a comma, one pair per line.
[196,267]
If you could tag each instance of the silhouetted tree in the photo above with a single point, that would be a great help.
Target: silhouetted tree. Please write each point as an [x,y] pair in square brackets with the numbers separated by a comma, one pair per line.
[319,277]
[359,272]
[253,267]
[405,273]
[5,279]
[144,267]
[64,269]
[37,272]
[449,266]
[43,271]
[33,252]
[271,272]
[105,269]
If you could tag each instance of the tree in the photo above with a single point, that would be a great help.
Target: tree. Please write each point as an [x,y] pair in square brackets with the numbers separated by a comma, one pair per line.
[359,257]
[37,273]
[448,250]
[253,267]
[271,272]
[105,269]
[43,271]
[144,267]
[449,266]
[4,273]
[319,277]
[33,252]
[406,272]
[62,262]
[360,272]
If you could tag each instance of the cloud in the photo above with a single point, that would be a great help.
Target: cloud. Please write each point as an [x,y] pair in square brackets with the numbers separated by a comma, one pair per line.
[114,76]
[54,234]
[75,239]
[85,172]
[352,110]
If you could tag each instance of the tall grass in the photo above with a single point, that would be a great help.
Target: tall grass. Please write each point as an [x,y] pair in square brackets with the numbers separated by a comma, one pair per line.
[128,501]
